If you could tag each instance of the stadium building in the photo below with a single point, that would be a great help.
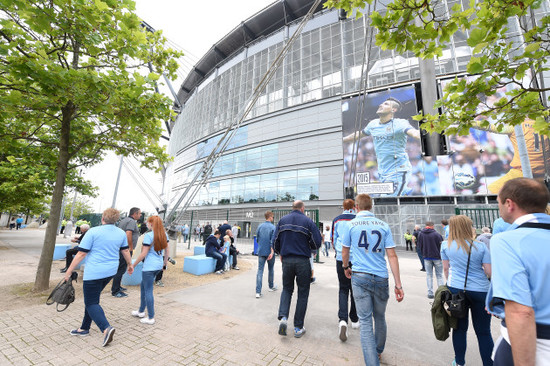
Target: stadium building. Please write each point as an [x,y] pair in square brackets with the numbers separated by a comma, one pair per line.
[297,142]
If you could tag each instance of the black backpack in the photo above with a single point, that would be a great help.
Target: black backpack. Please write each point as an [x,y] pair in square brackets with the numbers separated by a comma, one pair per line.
[63,293]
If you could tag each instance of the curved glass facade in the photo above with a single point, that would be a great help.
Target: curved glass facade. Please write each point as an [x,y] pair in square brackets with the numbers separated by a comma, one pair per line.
[293,136]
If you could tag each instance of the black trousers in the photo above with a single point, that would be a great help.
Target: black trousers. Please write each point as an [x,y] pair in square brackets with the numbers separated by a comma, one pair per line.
[118,276]
[69,255]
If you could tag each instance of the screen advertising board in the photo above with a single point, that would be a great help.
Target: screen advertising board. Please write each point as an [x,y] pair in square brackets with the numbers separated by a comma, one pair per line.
[482,161]
[381,143]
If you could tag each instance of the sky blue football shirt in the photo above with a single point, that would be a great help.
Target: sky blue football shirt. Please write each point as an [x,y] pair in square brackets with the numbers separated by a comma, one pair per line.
[368,238]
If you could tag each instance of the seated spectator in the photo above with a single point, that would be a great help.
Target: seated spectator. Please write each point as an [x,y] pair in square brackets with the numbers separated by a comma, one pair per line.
[70,253]
[212,246]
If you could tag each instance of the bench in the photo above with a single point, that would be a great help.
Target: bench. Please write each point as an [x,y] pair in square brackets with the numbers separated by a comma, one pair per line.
[199,264]
[198,250]
[60,251]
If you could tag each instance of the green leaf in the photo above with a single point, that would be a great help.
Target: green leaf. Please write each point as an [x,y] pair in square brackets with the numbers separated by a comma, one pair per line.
[532,47]
[477,35]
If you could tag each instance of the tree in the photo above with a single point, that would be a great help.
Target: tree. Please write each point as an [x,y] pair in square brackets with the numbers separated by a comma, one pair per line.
[517,64]
[79,206]
[72,86]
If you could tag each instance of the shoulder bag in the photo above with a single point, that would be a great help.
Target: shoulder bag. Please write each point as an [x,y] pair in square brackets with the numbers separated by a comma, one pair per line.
[457,306]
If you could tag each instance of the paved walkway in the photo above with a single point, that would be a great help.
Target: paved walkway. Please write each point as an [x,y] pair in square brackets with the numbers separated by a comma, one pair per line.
[221,323]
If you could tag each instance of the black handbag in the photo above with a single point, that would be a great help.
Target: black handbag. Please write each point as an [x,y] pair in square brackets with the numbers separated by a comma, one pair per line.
[457,305]
[63,293]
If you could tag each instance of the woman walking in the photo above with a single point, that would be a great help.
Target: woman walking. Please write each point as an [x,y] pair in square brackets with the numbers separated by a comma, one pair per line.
[467,263]
[101,246]
[154,255]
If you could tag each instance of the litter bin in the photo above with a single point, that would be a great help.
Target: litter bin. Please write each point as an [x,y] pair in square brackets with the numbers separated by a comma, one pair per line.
[255,252]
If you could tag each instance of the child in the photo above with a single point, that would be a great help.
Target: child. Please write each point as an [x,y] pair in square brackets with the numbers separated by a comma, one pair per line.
[224,249]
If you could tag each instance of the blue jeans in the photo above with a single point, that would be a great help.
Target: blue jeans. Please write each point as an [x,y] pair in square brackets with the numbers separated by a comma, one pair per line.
[297,268]
[219,257]
[260,274]
[482,326]
[371,295]
[345,292]
[419,253]
[147,298]
[327,247]
[430,266]
[92,310]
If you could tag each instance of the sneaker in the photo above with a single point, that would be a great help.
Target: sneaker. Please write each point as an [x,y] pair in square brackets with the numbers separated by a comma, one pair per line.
[137,314]
[108,336]
[63,270]
[343,330]
[123,288]
[312,279]
[422,270]
[258,295]
[120,294]
[82,333]
[235,268]
[274,288]
[219,272]
[148,321]
[159,283]
[455,364]
[282,326]
[430,296]
[355,325]
[299,332]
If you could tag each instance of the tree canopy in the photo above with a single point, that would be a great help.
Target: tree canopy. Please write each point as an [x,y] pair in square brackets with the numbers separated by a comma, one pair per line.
[73,84]
[504,56]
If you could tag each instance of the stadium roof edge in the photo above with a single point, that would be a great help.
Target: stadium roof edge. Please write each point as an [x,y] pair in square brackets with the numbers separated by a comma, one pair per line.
[259,25]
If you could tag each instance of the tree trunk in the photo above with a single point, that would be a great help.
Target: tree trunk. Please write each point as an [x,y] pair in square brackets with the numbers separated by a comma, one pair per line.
[42,281]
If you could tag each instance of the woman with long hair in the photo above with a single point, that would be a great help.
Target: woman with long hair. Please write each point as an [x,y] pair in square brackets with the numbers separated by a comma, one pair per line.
[455,266]
[154,254]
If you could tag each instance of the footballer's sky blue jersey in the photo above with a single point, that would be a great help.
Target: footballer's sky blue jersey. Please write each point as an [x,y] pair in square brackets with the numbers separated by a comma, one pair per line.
[340,226]
[390,143]
[368,238]
[500,225]
[458,260]
[521,264]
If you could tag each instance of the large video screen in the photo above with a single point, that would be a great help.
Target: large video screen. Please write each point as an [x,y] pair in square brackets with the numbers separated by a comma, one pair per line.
[482,161]
[381,142]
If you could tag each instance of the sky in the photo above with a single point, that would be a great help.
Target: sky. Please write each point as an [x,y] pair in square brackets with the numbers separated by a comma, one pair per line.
[194,26]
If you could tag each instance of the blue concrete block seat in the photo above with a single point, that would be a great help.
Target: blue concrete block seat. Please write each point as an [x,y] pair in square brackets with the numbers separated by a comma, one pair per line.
[60,251]
[199,264]
[135,278]
[198,250]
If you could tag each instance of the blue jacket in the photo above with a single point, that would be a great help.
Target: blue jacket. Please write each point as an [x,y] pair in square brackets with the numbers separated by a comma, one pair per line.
[296,235]
[211,244]
[264,236]
[223,228]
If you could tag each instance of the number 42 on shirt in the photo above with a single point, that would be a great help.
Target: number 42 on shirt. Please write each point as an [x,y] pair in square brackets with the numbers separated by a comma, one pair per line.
[364,243]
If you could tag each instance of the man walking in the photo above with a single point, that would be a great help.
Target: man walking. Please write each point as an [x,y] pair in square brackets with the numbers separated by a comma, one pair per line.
[418,252]
[370,239]
[129,226]
[340,227]
[519,284]
[264,236]
[429,244]
[296,237]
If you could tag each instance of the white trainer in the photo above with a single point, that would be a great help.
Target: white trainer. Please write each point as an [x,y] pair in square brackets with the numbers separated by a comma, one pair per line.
[355,325]
[148,321]
[137,314]
[343,330]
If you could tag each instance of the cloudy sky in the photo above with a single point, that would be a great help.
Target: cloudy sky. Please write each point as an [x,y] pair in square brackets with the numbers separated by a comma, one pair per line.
[193,26]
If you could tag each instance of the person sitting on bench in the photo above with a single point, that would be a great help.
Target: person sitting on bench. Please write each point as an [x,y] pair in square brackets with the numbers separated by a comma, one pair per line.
[70,253]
